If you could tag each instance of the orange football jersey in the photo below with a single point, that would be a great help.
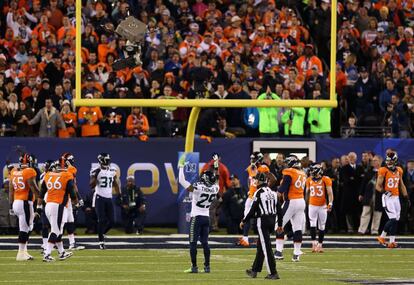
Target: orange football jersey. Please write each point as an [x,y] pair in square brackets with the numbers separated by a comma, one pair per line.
[297,186]
[72,170]
[391,179]
[56,184]
[317,190]
[19,180]
[252,177]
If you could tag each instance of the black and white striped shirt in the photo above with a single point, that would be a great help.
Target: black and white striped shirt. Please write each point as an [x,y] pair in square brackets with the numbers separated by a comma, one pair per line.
[264,204]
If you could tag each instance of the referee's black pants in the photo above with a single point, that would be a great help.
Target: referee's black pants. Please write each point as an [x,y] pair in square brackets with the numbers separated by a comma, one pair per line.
[265,226]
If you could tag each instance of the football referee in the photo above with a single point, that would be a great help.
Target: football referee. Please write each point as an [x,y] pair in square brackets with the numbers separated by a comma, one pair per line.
[264,208]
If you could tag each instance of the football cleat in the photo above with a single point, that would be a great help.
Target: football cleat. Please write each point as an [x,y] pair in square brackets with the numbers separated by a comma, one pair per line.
[272,276]
[251,273]
[74,246]
[102,245]
[206,269]
[314,247]
[22,256]
[382,241]
[65,255]
[392,245]
[278,255]
[192,269]
[48,258]
[242,242]
[295,258]
[319,248]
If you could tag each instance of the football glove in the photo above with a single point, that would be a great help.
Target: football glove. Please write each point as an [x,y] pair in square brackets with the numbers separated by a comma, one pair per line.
[39,210]
[181,161]
[12,213]
[81,203]
[216,158]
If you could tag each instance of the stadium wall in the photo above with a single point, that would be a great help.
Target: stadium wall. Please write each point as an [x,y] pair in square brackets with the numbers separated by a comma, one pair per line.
[154,163]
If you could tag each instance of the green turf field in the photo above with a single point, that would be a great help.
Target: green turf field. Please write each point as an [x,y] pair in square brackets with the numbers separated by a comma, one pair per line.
[166,266]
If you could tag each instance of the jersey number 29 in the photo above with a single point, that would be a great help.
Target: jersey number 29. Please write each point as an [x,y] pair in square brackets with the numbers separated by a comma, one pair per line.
[206,198]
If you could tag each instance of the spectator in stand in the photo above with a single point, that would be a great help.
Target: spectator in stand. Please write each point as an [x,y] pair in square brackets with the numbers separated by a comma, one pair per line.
[137,124]
[398,118]
[22,128]
[294,121]
[114,122]
[71,120]
[268,124]
[49,118]
[319,119]
[89,119]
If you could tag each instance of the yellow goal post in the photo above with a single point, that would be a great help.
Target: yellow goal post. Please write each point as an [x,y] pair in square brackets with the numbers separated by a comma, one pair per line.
[197,104]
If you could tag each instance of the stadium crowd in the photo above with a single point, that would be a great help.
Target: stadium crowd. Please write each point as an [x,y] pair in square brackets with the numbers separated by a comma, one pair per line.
[253,50]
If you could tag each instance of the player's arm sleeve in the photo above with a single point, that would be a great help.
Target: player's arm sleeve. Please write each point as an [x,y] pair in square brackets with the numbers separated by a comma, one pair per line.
[181,178]
[279,214]
[94,177]
[253,208]
[287,180]
[380,181]
[70,188]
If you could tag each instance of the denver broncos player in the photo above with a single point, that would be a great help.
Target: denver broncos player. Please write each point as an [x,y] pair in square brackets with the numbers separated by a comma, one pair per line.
[103,179]
[256,166]
[59,187]
[23,190]
[390,183]
[49,165]
[292,188]
[317,187]
[69,161]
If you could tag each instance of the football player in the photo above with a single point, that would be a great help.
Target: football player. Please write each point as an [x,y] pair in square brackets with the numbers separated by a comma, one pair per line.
[317,187]
[48,166]
[103,180]
[69,161]
[23,190]
[390,183]
[203,194]
[292,189]
[59,188]
[256,166]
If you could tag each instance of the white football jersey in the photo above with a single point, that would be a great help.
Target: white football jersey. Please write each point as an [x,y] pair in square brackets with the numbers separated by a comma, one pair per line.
[105,181]
[202,197]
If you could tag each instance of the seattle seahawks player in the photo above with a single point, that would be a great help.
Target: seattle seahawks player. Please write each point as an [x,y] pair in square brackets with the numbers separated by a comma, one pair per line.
[102,180]
[203,194]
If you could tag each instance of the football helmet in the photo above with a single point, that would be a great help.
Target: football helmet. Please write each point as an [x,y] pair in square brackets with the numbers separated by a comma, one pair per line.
[33,161]
[315,170]
[104,159]
[69,159]
[208,178]
[292,161]
[261,178]
[48,165]
[25,160]
[256,157]
[391,160]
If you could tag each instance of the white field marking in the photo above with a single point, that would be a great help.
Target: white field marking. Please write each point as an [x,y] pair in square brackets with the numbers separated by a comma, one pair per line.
[210,242]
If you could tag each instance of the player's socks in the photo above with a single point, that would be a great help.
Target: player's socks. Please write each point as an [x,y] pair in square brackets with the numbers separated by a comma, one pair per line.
[392,238]
[280,244]
[49,248]
[206,250]
[246,239]
[44,243]
[60,247]
[193,253]
[297,246]
[71,238]
[21,247]
[383,234]
[321,236]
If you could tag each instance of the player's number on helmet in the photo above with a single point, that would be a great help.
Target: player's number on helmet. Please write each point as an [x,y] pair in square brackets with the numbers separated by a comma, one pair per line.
[300,182]
[54,185]
[393,182]
[318,192]
[204,198]
[18,183]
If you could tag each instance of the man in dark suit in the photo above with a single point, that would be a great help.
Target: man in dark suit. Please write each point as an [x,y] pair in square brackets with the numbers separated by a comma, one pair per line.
[351,176]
